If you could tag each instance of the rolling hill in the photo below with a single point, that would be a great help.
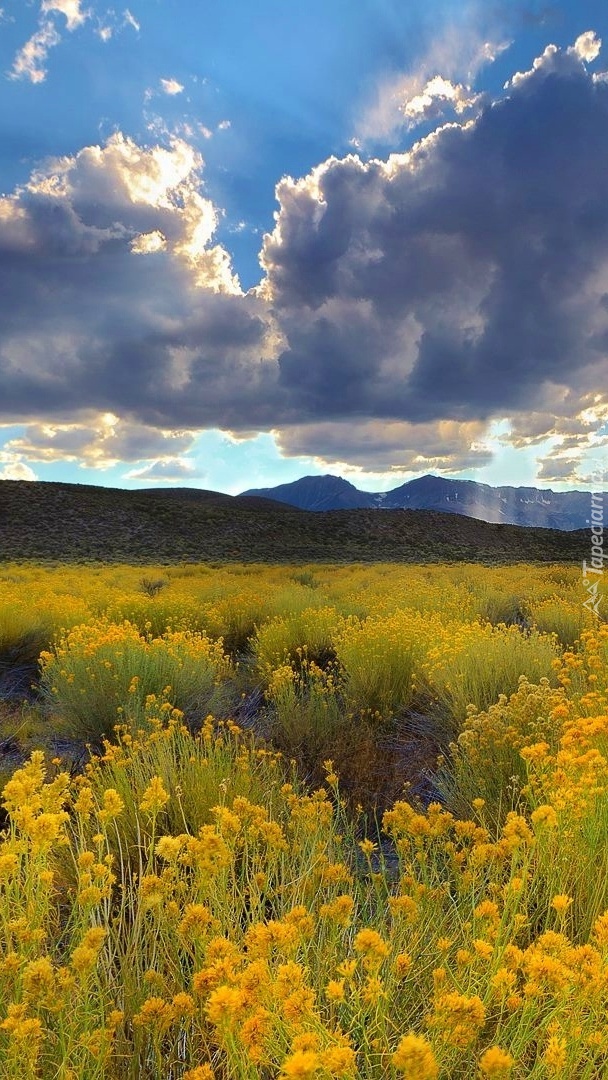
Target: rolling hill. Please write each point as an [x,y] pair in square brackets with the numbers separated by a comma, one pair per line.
[63,522]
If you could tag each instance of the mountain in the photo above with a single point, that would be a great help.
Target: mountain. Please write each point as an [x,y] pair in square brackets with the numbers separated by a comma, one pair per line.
[82,523]
[318,493]
[542,508]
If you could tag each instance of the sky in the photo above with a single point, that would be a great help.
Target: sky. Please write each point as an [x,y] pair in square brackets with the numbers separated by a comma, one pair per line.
[242,243]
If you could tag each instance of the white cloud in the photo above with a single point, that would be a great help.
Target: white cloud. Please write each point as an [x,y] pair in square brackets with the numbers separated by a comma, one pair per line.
[433,98]
[170,470]
[224,125]
[130,20]
[70,8]
[14,468]
[111,24]
[30,61]
[553,60]
[588,46]
[171,87]
[140,191]
[453,60]
[148,243]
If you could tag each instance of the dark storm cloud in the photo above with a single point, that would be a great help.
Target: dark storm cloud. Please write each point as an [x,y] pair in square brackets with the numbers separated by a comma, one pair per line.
[106,440]
[381,446]
[558,470]
[463,281]
[480,262]
[113,297]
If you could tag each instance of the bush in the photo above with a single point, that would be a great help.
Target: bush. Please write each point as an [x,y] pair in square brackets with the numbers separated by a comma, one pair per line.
[101,672]
[381,659]
[310,632]
[474,664]
[486,759]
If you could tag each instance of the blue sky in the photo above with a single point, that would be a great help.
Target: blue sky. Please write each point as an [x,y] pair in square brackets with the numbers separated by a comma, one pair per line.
[244,242]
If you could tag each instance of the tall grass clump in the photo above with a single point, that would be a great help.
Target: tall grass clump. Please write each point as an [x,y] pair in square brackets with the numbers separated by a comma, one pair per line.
[29,622]
[497,605]
[307,715]
[475,663]
[99,671]
[381,659]
[310,632]
[561,616]
[486,761]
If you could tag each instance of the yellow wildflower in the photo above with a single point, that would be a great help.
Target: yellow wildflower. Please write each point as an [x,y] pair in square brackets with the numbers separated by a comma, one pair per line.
[38,978]
[335,990]
[298,1004]
[224,1005]
[544,815]
[561,903]
[414,1059]
[371,946]
[496,1063]
[459,1018]
[339,1060]
[112,805]
[196,922]
[339,910]
[155,1013]
[154,797]
[200,1072]
[302,1065]
[555,1055]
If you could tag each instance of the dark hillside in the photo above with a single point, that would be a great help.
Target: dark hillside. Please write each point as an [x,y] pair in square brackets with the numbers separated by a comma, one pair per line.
[50,521]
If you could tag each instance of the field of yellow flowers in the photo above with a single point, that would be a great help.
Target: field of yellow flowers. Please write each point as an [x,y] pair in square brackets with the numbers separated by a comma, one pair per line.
[197,902]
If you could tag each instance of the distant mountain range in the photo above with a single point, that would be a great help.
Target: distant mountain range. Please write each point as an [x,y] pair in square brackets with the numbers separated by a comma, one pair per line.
[542,508]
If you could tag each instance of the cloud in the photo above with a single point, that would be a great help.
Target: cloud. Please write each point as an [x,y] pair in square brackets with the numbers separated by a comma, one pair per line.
[582,424]
[115,298]
[431,102]
[72,10]
[405,304]
[171,87]
[99,442]
[111,23]
[30,61]
[389,446]
[464,280]
[176,470]
[148,243]
[562,470]
[16,470]
[130,20]
[587,46]
[439,83]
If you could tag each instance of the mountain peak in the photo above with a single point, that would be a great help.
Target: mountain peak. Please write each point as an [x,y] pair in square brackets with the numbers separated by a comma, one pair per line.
[326,492]
[501,505]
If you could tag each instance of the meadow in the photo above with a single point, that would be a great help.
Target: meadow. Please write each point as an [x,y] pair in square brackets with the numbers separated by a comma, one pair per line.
[334,821]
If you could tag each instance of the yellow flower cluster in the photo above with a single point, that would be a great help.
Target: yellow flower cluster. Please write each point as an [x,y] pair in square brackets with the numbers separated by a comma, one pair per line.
[187,906]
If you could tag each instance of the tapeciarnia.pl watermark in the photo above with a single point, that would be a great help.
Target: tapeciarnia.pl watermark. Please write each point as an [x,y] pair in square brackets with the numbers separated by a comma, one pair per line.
[593,571]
